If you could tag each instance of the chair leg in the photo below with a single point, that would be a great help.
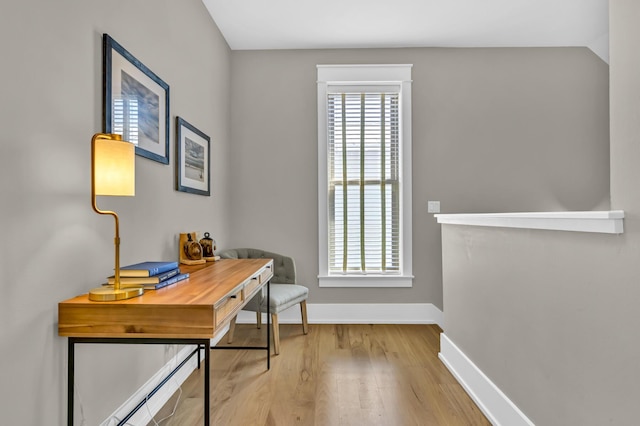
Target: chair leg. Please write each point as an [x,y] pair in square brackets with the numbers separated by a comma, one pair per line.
[259,319]
[232,328]
[276,333]
[303,310]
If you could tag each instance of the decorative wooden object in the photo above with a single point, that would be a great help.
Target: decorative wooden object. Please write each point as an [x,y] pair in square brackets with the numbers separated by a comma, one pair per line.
[184,258]
[208,248]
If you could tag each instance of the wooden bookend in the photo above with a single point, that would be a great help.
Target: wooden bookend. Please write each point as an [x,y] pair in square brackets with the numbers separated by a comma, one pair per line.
[183,255]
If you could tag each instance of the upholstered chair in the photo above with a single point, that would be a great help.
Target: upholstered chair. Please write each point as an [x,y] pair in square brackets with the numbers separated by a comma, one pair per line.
[285,292]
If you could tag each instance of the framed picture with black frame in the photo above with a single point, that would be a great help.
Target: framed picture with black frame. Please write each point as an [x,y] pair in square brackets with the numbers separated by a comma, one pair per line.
[193,159]
[136,102]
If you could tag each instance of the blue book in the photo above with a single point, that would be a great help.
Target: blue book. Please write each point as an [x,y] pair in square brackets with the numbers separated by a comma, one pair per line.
[161,284]
[165,283]
[155,279]
[147,269]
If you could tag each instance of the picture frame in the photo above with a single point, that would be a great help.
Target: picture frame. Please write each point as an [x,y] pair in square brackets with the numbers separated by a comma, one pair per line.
[136,102]
[193,159]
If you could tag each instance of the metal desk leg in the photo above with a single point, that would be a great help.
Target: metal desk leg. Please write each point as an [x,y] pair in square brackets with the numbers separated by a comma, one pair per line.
[207,384]
[199,346]
[70,379]
[268,325]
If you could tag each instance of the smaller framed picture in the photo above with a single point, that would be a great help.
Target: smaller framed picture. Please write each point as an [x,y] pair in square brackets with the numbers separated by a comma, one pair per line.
[193,159]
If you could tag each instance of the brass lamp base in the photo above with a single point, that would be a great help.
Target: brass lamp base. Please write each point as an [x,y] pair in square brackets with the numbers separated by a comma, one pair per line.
[108,294]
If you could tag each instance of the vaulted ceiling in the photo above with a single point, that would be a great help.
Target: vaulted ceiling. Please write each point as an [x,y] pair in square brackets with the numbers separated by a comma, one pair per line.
[318,24]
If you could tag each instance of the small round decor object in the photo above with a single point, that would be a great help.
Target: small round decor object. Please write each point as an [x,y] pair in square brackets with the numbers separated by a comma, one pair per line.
[207,245]
[192,249]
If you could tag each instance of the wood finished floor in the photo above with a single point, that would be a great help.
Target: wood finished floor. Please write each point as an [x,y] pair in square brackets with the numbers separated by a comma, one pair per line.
[337,375]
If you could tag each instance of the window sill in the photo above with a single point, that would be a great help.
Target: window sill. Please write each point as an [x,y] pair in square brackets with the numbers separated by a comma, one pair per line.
[607,222]
[367,281]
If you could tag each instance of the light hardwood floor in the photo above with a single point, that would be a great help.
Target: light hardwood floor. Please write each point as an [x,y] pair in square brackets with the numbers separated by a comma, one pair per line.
[337,375]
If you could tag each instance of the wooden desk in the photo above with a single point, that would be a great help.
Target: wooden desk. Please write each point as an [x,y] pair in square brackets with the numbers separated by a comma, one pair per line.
[188,312]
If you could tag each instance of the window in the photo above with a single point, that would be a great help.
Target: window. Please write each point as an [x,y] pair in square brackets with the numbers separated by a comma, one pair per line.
[364,146]
[364,185]
[125,118]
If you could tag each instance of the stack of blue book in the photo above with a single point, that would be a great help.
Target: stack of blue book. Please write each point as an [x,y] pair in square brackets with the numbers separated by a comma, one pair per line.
[151,275]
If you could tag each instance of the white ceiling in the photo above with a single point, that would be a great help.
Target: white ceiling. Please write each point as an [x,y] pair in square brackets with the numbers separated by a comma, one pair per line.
[318,24]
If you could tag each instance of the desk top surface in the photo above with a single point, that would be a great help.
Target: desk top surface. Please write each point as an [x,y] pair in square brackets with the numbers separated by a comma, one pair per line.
[206,285]
[182,309]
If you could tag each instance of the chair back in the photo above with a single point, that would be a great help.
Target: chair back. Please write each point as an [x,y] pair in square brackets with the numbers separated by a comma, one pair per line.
[284,267]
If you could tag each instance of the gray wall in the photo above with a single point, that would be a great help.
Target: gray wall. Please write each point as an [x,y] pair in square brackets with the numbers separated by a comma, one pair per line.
[54,246]
[493,130]
[552,317]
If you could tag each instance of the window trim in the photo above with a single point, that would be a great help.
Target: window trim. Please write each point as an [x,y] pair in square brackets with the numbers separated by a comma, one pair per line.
[350,75]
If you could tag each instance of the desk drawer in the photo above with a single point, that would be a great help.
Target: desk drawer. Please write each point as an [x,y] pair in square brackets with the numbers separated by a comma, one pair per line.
[257,280]
[266,273]
[227,307]
[250,287]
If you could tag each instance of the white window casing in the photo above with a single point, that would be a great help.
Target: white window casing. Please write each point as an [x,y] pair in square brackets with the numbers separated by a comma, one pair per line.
[370,85]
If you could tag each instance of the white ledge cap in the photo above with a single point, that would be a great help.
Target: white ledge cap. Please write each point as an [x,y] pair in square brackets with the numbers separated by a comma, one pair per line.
[608,222]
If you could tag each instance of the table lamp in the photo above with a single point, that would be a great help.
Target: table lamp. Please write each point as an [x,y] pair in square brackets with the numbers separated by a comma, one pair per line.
[112,173]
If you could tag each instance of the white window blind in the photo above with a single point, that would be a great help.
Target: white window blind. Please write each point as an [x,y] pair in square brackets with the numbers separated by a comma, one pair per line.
[363,181]
[125,119]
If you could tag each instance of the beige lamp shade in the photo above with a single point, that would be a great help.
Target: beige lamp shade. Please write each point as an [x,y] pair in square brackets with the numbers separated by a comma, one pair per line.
[115,167]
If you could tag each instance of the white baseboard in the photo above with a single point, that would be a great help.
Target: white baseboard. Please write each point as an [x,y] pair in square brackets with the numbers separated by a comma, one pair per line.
[318,313]
[490,399]
[145,414]
[357,313]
